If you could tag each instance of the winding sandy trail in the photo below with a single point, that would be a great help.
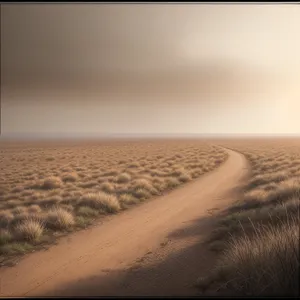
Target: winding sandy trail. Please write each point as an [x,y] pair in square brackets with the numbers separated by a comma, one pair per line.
[151,249]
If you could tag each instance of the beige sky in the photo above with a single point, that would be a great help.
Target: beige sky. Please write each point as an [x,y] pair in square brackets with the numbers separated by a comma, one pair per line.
[149,68]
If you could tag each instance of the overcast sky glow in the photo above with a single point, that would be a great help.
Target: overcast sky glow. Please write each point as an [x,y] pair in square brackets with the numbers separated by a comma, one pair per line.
[194,68]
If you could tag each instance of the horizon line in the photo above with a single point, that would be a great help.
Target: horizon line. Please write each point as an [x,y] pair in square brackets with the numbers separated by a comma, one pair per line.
[74,136]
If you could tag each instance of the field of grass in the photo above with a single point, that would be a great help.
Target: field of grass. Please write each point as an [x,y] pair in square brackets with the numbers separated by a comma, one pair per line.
[47,189]
[258,236]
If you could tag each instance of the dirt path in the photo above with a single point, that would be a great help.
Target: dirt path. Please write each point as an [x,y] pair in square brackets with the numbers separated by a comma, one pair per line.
[151,249]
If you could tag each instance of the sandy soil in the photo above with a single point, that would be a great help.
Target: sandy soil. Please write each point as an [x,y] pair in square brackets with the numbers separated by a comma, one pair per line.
[152,249]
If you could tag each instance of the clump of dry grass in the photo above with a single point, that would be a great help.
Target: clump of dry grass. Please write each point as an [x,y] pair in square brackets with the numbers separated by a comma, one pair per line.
[141,193]
[34,209]
[123,178]
[178,171]
[185,177]
[19,210]
[142,184]
[102,201]
[29,229]
[70,177]
[172,182]
[59,218]
[134,165]
[87,211]
[128,199]
[52,182]
[107,187]
[196,174]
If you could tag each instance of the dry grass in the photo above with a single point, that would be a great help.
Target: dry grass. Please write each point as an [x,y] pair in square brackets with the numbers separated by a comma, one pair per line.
[52,182]
[65,185]
[127,199]
[70,177]
[266,264]
[29,229]
[259,235]
[5,237]
[87,211]
[101,201]
[34,209]
[107,187]
[59,218]
[172,182]
[123,178]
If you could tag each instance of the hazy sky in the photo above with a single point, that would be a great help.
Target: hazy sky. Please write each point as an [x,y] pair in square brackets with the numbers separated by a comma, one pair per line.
[150,68]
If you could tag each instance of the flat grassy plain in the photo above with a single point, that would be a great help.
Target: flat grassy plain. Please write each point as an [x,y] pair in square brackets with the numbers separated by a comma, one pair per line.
[258,236]
[51,188]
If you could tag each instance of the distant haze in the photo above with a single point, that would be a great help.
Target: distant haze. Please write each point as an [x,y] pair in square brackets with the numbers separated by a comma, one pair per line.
[89,69]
